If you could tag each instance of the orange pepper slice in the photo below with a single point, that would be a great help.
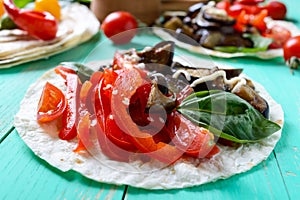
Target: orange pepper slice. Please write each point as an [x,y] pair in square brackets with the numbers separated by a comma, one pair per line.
[51,6]
[2,11]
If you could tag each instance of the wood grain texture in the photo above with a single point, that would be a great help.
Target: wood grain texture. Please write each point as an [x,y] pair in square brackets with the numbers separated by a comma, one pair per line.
[285,88]
[25,176]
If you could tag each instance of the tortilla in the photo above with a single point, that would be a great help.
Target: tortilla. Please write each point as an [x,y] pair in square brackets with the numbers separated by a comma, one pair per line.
[269,54]
[17,47]
[149,175]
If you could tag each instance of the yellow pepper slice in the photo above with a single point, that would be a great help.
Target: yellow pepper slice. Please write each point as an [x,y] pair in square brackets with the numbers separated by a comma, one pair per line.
[1,8]
[51,6]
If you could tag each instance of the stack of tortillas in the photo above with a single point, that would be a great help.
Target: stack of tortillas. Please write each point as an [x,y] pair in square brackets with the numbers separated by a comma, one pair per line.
[78,24]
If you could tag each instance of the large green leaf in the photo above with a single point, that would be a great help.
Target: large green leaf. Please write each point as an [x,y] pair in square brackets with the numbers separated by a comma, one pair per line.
[227,116]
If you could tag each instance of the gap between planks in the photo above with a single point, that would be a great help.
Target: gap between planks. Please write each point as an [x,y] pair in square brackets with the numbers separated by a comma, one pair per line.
[280,171]
[6,134]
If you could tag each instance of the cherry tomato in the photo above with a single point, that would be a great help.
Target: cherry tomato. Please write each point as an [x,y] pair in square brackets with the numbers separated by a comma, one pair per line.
[276,9]
[52,103]
[193,140]
[279,35]
[291,51]
[120,27]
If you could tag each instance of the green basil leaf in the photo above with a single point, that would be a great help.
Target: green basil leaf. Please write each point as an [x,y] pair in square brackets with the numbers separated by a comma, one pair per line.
[227,116]
[234,49]
[259,44]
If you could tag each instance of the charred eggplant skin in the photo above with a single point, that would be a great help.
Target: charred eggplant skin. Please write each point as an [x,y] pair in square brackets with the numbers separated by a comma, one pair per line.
[209,26]
[218,15]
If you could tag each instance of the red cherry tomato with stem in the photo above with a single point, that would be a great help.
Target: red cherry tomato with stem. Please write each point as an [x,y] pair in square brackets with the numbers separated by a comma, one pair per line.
[291,52]
[120,27]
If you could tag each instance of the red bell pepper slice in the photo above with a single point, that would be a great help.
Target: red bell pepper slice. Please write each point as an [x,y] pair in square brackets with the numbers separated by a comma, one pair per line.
[40,25]
[63,71]
[83,129]
[85,110]
[102,105]
[70,115]
[108,148]
[126,84]
[258,20]
[117,136]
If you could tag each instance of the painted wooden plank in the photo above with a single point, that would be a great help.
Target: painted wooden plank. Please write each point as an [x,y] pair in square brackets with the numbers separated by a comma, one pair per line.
[25,176]
[262,182]
[285,89]
[287,150]
[15,81]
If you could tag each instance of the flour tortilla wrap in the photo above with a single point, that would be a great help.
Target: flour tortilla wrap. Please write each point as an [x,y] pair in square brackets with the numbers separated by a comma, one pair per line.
[269,54]
[148,175]
[17,47]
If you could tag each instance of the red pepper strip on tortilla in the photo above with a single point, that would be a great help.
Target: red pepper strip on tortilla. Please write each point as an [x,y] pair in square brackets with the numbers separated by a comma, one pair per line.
[88,130]
[85,110]
[107,140]
[83,122]
[70,115]
[126,84]
[40,25]
[63,71]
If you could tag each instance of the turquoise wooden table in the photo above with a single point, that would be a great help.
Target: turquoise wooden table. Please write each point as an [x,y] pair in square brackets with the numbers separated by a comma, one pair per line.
[25,176]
